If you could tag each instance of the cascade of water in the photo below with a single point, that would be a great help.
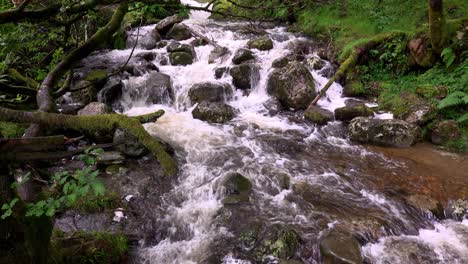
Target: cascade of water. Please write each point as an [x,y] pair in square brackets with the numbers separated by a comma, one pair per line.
[266,145]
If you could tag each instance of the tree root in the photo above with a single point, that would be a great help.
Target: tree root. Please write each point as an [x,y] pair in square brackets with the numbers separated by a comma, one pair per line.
[101,123]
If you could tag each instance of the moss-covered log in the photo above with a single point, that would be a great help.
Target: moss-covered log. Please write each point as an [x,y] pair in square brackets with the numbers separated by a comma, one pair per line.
[352,56]
[101,123]
[437,26]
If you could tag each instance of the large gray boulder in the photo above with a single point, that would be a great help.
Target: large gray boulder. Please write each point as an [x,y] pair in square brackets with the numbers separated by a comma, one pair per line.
[389,133]
[261,43]
[95,108]
[210,92]
[164,25]
[214,112]
[245,76]
[242,55]
[175,46]
[156,89]
[293,85]
[180,58]
[179,32]
[111,93]
[145,41]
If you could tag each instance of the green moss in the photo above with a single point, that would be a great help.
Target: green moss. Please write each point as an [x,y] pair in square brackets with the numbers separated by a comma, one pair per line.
[96,75]
[11,130]
[82,247]
[93,204]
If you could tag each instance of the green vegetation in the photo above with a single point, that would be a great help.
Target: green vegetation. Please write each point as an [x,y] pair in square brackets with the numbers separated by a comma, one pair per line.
[82,247]
[11,130]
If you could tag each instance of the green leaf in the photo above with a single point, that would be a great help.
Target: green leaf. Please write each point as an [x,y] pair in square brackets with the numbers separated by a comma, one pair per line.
[463,119]
[13,202]
[448,56]
[50,211]
[5,206]
[98,188]
[6,214]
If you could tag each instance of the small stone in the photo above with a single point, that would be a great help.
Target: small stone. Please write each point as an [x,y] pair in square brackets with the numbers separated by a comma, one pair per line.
[245,76]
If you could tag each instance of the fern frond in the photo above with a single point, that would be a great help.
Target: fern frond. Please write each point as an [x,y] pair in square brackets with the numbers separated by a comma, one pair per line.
[454,99]
[463,119]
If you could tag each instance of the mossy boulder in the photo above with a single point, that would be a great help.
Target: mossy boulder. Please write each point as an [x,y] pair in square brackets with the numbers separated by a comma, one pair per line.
[245,76]
[409,107]
[389,133]
[351,110]
[293,85]
[444,131]
[210,92]
[242,55]
[181,58]
[214,112]
[280,62]
[340,248]
[421,53]
[96,75]
[261,43]
[131,146]
[199,42]
[179,32]
[237,188]
[318,115]
[175,46]
[280,242]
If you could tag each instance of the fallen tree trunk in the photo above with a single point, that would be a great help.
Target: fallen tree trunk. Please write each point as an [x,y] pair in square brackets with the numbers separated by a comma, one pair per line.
[352,58]
[101,123]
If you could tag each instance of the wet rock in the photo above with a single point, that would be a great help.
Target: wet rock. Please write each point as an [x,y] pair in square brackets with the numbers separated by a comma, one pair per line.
[245,76]
[147,41]
[280,242]
[315,63]
[318,115]
[242,55]
[199,42]
[161,44]
[352,110]
[214,112]
[210,92]
[407,250]
[280,63]
[273,106]
[111,93]
[293,85]
[236,183]
[131,146]
[109,158]
[302,47]
[156,88]
[424,202]
[180,58]
[219,72]
[95,108]
[179,32]
[444,131]
[116,169]
[262,43]
[328,71]
[140,68]
[416,110]
[337,247]
[390,133]
[217,53]
[237,188]
[175,46]
[164,25]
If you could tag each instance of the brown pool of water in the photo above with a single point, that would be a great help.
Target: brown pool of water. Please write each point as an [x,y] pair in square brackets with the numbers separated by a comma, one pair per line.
[424,170]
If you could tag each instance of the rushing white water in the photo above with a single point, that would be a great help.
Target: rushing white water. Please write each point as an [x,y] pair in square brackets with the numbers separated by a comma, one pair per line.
[252,145]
